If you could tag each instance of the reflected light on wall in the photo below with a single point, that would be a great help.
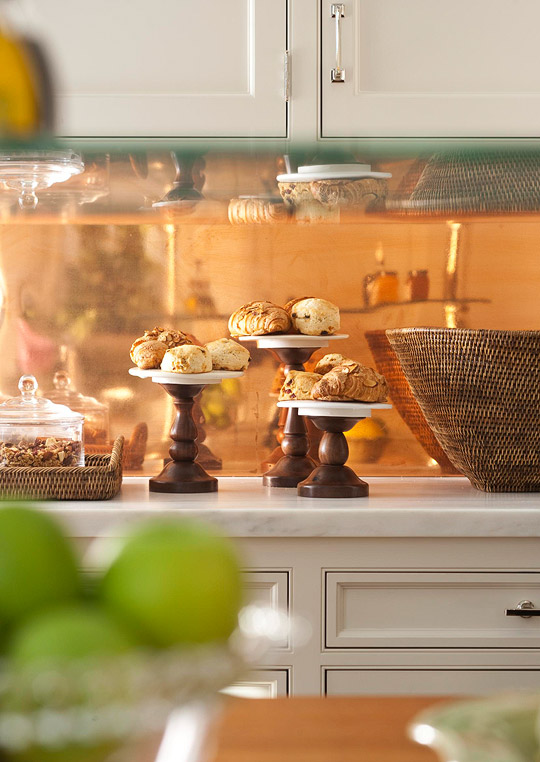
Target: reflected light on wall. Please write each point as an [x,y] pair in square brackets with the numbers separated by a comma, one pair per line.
[171,269]
[118,394]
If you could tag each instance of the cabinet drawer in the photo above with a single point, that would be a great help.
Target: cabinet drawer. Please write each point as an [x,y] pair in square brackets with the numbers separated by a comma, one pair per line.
[416,609]
[427,682]
[269,588]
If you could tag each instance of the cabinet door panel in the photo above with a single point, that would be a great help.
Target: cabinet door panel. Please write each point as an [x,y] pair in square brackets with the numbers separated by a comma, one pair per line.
[167,68]
[427,682]
[269,588]
[262,683]
[429,609]
[422,68]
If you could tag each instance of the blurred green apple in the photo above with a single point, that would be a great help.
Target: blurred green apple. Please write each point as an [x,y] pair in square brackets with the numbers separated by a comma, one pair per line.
[69,632]
[175,582]
[38,567]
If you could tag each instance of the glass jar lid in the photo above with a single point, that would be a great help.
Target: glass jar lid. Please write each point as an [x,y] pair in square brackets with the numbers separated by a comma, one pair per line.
[31,409]
[65,395]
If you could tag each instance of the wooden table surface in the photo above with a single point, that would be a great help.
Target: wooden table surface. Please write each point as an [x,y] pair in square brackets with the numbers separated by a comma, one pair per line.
[363,729]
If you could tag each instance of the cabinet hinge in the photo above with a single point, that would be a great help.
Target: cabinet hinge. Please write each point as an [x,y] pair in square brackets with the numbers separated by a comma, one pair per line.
[287,76]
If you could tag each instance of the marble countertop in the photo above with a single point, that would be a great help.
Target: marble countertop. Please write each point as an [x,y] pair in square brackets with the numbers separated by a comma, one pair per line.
[396,507]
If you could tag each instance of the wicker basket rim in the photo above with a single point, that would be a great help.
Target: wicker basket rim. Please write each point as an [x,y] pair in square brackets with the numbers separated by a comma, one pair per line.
[495,332]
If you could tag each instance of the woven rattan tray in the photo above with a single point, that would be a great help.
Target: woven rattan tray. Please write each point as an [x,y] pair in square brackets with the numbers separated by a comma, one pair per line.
[99,479]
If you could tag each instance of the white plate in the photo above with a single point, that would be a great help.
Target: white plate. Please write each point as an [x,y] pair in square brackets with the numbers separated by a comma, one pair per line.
[164,377]
[335,409]
[297,177]
[286,341]
[315,169]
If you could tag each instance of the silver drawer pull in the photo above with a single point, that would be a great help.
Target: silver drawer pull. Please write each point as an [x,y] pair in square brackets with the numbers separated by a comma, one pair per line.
[524,609]
[337,11]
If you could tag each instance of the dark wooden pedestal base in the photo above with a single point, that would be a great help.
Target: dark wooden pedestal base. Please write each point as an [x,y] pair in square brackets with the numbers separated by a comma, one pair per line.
[182,474]
[333,478]
[294,465]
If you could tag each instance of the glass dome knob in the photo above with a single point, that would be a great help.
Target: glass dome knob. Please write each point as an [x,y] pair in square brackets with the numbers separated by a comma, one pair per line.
[61,380]
[28,386]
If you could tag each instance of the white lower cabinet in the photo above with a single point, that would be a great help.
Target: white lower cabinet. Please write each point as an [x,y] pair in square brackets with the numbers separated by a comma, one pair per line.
[427,681]
[399,615]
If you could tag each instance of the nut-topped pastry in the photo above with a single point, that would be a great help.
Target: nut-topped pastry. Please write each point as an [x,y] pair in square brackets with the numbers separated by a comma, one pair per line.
[315,317]
[298,385]
[258,319]
[351,381]
[228,355]
[166,336]
[148,354]
[328,362]
[188,358]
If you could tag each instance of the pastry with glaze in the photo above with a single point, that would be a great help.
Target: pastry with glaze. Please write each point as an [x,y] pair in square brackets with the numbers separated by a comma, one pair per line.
[258,319]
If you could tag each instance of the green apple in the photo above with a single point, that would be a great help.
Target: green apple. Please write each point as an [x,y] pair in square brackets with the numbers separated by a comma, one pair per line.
[175,582]
[38,567]
[69,632]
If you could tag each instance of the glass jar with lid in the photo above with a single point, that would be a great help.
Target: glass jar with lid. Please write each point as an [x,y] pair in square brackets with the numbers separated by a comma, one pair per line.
[36,432]
[96,415]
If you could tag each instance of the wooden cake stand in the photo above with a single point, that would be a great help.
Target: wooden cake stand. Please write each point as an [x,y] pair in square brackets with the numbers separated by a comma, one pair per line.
[294,465]
[333,478]
[182,473]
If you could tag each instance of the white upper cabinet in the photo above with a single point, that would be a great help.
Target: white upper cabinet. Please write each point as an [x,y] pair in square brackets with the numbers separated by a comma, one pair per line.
[431,68]
[168,68]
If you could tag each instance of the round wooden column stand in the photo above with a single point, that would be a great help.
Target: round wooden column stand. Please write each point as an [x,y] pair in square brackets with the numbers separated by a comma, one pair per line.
[333,478]
[182,474]
[294,465]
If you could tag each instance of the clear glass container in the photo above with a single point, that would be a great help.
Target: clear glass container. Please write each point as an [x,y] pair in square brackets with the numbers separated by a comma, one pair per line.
[96,415]
[36,432]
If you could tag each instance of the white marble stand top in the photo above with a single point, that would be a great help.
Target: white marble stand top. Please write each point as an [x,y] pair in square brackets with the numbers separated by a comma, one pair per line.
[396,507]
[292,341]
[341,409]
[165,377]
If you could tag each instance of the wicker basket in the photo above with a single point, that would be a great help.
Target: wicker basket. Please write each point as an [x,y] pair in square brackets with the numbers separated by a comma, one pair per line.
[388,364]
[480,393]
[99,479]
[469,181]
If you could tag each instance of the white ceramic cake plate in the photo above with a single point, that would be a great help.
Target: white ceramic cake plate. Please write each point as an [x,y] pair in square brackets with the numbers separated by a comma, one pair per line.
[164,377]
[335,409]
[304,177]
[291,341]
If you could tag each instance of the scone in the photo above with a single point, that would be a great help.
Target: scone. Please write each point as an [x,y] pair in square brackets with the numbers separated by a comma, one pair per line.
[298,385]
[328,362]
[228,355]
[315,317]
[166,335]
[188,358]
[148,354]
[351,381]
[258,319]
[290,304]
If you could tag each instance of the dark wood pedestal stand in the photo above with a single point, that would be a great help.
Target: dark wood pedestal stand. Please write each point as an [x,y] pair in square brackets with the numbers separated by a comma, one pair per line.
[333,479]
[182,474]
[294,463]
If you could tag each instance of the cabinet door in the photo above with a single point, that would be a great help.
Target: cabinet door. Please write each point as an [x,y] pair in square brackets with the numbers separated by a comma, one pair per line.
[167,68]
[262,683]
[269,588]
[426,682]
[424,68]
